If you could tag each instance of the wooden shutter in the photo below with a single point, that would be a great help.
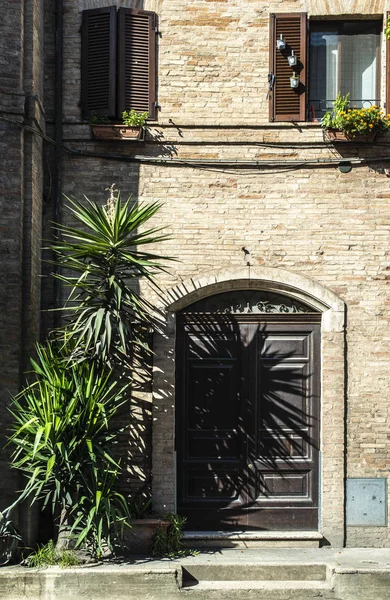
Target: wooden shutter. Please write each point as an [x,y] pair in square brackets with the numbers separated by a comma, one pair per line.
[98,61]
[287,104]
[137,61]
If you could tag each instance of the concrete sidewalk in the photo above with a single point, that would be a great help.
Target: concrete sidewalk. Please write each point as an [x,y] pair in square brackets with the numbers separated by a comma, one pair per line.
[299,574]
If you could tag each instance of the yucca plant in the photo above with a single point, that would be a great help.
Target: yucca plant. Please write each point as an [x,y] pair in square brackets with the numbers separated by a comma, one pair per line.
[62,433]
[101,261]
[63,443]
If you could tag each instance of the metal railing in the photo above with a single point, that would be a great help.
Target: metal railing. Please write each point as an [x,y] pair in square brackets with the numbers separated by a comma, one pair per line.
[318,107]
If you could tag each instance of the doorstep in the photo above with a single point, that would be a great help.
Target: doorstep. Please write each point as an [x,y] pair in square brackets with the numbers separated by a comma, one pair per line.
[253,539]
[277,574]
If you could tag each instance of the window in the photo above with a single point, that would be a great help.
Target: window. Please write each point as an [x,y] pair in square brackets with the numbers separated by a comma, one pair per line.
[118,62]
[343,56]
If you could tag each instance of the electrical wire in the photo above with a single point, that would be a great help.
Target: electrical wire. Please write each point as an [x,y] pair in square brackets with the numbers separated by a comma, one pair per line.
[211,163]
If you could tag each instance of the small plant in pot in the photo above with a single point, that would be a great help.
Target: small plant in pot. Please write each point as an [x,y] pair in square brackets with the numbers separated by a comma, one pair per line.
[144,527]
[343,123]
[132,127]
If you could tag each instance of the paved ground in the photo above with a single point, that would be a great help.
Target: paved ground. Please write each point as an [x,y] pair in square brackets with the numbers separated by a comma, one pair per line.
[361,559]
[228,574]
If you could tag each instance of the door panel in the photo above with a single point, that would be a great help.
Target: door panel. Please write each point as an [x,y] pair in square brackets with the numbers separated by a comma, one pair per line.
[247,422]
[282,484]
[210,446]
[211,388]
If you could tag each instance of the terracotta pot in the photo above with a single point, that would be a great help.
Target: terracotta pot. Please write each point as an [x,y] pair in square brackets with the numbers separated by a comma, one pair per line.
[139,538]
[335,135]
[117,132]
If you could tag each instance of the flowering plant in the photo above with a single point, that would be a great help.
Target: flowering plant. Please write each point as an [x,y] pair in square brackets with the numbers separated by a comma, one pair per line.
[355,121]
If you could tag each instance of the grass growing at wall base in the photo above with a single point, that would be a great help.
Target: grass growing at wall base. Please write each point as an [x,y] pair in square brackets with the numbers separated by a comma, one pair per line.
[48,556]
[168,543]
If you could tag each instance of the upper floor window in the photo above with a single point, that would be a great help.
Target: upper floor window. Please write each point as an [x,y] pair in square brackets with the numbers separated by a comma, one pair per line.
[344,56]
[118,62]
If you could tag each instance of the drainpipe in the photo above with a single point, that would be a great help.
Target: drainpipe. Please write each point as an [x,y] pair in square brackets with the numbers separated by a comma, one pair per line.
[59,30]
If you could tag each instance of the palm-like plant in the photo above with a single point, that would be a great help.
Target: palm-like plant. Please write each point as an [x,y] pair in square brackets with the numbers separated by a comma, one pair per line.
[63,440]
[102,261]
[62,432]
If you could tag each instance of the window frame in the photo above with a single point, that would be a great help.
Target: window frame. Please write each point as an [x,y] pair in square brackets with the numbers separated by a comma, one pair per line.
[337,24]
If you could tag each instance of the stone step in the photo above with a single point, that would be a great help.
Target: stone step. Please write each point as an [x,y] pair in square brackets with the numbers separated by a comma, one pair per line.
[254,572]
[264,590]
[252,539]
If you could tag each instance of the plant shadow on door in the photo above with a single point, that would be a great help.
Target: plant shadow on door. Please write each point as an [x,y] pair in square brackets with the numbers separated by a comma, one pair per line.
[247,422]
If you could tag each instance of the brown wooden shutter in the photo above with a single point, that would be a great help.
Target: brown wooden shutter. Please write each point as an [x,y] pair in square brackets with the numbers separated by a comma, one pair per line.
[287,104]
[137,61]
[98,61]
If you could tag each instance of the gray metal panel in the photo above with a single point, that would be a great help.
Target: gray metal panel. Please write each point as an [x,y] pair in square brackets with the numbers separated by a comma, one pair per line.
[367,502]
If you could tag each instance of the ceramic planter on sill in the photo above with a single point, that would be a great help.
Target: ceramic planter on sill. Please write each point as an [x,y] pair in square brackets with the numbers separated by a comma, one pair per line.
[110,131]
[336,135]
[139,538]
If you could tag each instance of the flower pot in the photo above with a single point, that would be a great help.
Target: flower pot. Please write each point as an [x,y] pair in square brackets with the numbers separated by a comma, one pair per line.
[139,538]
[117,132]
[336,135]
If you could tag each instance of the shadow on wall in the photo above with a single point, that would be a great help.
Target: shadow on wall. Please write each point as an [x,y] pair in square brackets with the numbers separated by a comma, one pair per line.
[245,421]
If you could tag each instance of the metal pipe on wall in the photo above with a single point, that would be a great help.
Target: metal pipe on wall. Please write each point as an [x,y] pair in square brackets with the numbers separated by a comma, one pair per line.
[58,128]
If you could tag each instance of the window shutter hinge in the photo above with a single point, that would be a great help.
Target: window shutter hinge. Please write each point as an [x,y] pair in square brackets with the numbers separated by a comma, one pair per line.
[157,106]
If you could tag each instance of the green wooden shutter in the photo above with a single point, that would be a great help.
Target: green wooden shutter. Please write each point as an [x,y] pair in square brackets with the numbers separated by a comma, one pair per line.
[98,61]
[287,104]
[137,61]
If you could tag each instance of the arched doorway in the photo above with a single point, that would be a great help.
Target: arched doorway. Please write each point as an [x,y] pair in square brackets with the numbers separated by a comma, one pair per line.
[248,412]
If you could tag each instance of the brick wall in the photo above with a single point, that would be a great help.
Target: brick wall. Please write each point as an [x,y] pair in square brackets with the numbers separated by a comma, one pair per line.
[328,227]
[11,206]
[21,83]
[317,222]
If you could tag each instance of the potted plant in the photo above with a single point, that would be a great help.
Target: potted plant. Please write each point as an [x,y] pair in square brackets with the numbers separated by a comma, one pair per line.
[144,527]
[387,29]
[132,127]
[345,124]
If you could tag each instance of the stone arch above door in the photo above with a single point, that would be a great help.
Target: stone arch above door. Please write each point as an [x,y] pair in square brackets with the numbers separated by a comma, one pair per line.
[299,288]
[278,281]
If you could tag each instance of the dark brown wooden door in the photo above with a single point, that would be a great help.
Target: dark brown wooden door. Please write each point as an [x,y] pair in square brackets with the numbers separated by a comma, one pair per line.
[247,434]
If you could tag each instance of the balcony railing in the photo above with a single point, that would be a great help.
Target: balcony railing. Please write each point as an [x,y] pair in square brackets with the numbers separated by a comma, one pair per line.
[317,108]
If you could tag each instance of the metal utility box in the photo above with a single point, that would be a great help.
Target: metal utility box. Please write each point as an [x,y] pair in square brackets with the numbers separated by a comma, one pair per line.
[367,502]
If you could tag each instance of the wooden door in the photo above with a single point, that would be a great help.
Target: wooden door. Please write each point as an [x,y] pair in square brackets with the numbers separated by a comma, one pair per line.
[247,427]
